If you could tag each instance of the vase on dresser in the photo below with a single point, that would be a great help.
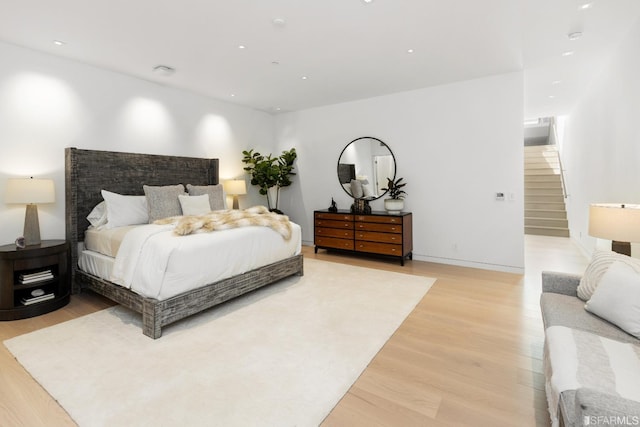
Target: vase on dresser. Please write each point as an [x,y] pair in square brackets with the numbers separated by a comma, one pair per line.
[394,206]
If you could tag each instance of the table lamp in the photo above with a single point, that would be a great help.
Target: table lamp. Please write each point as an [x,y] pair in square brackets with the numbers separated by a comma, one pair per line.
[30,191]
[617,222]
[235,188]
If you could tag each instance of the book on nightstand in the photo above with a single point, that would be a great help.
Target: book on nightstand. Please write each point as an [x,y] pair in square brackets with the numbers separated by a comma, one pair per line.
[35,277]
[33,300]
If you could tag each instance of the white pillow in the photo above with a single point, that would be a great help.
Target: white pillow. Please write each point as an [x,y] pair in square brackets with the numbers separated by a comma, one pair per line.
[617,298]
[597,268]
[98,215]
[194,205]
[125,210]
[356,189]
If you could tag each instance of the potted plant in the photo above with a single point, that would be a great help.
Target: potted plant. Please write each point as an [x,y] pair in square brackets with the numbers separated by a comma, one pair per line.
[270,173]
[395,203]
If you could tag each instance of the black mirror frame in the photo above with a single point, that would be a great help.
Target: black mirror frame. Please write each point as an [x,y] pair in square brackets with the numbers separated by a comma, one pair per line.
[395,165]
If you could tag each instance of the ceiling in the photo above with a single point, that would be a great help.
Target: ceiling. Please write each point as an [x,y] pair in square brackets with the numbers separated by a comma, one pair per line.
[329,51]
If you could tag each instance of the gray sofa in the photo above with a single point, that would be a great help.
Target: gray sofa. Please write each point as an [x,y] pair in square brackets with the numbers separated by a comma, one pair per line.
[561,307]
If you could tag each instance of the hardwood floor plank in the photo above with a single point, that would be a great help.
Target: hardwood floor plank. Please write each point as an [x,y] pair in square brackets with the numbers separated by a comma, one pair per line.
[470,353]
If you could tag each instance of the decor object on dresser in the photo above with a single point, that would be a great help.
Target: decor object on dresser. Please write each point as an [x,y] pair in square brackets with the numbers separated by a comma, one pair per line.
[375,233]
[395,203]
[235,188]
[617,222]
[145,268]
[34,280]
[30,191]
[333,207]
[270,173]
[364,165]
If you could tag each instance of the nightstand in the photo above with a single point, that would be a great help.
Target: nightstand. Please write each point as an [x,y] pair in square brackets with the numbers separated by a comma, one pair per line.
[34,280]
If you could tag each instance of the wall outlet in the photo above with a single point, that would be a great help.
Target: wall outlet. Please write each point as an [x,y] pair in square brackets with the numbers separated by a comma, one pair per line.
[500,197]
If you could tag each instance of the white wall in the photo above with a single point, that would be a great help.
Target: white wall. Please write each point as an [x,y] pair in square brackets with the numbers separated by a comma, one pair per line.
[48,103]
[456,145]
[601,145]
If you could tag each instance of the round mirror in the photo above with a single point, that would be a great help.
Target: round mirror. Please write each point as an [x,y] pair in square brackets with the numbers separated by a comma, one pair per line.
[364,166]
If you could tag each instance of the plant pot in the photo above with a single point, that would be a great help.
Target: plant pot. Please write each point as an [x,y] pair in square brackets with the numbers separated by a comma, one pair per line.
[394,206]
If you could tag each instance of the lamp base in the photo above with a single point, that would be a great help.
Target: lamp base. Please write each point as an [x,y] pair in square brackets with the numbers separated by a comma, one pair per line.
[235,202]
[31,226]
[623,248]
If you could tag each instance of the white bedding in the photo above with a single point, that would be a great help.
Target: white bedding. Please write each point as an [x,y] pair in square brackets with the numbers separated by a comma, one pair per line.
[154,262]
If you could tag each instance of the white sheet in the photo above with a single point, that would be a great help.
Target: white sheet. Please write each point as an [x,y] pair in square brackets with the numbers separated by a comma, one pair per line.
[106,241]
[154,262]
[95,263]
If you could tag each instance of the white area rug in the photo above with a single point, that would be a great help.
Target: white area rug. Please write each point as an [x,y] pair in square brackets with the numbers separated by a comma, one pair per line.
[281,356]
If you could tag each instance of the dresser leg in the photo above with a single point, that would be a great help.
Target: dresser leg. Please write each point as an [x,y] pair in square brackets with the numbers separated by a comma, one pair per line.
[315,250]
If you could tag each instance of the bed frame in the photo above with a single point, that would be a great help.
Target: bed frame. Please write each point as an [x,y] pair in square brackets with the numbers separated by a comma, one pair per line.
[89,171]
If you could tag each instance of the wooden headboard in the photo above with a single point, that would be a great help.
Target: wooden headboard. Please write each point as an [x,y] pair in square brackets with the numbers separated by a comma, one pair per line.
[89,171]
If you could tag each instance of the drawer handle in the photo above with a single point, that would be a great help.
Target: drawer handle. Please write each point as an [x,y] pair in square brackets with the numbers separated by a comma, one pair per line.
[393,229]
[393,238]
[393,249]
[393,220]
[346,234]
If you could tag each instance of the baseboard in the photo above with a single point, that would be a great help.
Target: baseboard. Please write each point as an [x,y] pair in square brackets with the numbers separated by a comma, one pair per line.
[470,264]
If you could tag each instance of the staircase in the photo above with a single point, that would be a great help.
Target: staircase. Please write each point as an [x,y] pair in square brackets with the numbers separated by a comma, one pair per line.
[544,209]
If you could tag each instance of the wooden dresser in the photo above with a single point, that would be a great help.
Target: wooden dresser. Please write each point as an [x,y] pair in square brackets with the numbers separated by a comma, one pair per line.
[375,233]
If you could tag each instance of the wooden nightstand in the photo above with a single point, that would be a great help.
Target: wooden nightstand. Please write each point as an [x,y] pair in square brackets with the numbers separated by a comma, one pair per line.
[43,268]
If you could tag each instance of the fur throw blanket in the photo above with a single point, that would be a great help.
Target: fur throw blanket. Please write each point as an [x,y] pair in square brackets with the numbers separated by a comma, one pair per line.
[227,219]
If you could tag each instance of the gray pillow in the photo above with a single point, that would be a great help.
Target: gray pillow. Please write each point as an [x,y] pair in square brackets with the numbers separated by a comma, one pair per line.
[163,201]
[215,192]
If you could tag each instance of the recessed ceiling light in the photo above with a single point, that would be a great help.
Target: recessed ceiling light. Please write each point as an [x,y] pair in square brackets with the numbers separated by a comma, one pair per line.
[585,6]
[279,22]
[59,43]
[575,35]
[233,94]
[163,70]
[304,77]
[556,82]
[551,96]
[367,1]
[409,50]
[241,46]
[567,53]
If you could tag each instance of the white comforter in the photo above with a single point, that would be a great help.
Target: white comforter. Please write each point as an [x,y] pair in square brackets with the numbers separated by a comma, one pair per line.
[156,263]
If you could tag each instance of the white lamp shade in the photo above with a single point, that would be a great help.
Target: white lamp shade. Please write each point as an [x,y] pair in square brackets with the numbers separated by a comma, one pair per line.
[615,222]
[235,187]
[30,190]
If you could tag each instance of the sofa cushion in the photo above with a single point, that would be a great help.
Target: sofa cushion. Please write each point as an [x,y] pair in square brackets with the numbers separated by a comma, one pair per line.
[599,265]
[564,310]
[617,298]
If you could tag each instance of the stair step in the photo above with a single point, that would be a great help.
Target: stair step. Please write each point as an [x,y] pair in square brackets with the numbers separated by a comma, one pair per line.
[544,198]
[546,222]
[538,148]
[542,178]
[542,184]
[547,191]
[547,231]
[545,213]
[549,206]
[546,171]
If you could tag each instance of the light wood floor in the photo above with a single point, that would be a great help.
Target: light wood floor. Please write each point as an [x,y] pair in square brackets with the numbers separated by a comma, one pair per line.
[469,354]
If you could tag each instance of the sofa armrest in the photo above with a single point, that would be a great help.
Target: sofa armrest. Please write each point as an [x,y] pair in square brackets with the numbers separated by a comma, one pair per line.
[600,408]
[560,283]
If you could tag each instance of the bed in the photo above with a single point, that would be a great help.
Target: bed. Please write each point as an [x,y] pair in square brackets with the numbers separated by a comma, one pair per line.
[87,172]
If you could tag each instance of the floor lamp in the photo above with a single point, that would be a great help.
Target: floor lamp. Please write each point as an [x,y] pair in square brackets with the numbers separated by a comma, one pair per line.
[617,222]
[30,191]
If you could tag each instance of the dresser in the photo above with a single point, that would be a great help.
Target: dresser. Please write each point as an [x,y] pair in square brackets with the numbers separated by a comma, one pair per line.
[378,233]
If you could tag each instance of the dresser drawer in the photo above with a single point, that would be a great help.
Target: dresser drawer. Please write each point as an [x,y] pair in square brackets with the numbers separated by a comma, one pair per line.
[372,236]
[380,219]
[333,216]
[334,232]
[379,248]
[332,242]
[333,224]
[380,227]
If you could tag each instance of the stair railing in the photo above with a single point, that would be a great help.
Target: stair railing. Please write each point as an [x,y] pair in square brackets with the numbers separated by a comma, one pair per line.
[554,135]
